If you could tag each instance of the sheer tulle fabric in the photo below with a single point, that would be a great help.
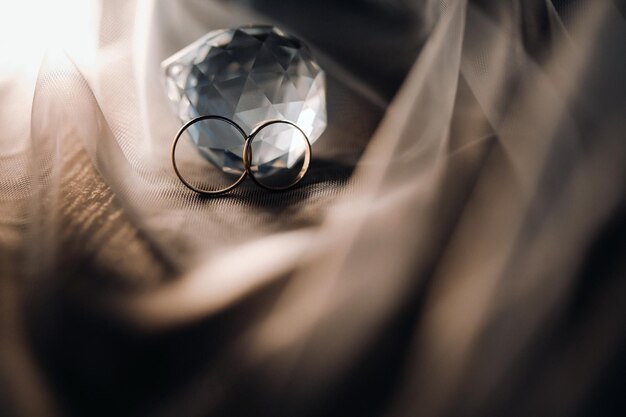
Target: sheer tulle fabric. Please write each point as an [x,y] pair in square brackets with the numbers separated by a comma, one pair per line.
[473,157]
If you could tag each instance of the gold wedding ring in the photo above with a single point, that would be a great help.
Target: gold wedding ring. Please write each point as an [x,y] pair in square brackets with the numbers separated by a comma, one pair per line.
[247,156]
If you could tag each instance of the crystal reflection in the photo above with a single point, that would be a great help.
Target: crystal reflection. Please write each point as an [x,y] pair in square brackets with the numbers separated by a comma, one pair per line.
[250,75]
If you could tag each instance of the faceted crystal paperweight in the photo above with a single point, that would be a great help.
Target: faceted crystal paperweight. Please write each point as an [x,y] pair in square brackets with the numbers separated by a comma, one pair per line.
[250,75]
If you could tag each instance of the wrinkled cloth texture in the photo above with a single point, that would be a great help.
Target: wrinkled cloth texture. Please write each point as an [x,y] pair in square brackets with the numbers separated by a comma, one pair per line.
[456,249]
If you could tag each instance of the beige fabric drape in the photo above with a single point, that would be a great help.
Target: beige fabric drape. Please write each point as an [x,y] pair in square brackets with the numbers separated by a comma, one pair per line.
[457,247]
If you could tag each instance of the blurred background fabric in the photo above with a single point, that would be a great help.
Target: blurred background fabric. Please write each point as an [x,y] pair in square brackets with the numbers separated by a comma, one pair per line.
[458,247]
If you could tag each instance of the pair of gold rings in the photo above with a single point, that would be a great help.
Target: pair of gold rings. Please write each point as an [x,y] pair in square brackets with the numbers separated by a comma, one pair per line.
[247,156]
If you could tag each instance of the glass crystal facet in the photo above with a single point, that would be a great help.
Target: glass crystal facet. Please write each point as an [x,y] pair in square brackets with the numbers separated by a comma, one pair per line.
[250,75]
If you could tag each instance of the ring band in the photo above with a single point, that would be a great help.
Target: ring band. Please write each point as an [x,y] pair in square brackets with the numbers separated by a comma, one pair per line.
[247,155]
[175,143]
